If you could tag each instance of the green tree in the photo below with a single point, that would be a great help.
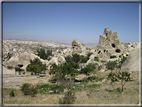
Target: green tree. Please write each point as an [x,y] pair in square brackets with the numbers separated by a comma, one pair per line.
[64,69]
[36,66]
[88,69]
[111,65]
[76,58]
[68,59]
[83,59]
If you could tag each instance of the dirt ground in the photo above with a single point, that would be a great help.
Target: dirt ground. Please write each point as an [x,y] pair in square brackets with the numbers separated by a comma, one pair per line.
[106,94]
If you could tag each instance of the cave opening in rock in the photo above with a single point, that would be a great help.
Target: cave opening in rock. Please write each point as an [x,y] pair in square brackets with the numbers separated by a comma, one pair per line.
[118,50]
[112,56]
[20,65]
[104,51]
[99,52]
[113,45]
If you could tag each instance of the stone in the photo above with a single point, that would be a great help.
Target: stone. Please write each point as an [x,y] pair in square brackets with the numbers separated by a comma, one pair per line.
[61,60]
[109,46]
[51,92]
[79,48]
[132,61]
[7,71]
[23,60]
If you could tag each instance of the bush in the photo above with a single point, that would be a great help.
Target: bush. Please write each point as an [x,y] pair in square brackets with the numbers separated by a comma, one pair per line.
[28,89]
[111,65]
[18,69]
[12,94]
[89,68]
[93,85]
[45,88]
[95,78]
[69,97]
[76,58]
[9,67]
[96,59]
[83,59]
[68,59]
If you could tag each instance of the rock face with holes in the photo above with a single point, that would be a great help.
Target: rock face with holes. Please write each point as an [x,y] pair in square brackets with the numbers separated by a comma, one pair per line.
[79,48]
[109,47]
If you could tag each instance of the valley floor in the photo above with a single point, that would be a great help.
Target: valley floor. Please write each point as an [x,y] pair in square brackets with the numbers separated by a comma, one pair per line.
[105,94]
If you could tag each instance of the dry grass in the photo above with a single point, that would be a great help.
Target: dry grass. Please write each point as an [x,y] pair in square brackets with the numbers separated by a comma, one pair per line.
[105,94]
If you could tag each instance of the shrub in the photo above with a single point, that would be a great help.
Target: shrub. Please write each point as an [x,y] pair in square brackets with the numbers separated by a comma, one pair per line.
[12,94]
[28,89]
[9,67]
[89,68]
[68,59]
[89,54]
[111,65]
[69,97]
[76,58]
[83,59]
[96,59]
[93,85]
[18,69]
[45,88]
[95,78]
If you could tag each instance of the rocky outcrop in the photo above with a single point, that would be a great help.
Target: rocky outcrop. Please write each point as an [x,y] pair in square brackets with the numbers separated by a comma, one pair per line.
[109,47]
[79,48]
[130,46]
[23,60]
[7,71]
[132,61]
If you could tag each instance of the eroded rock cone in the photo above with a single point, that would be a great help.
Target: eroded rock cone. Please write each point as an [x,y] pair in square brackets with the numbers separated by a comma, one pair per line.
[79,48]
[109,46]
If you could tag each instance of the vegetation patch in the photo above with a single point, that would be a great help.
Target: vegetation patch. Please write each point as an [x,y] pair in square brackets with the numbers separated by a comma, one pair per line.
[10,67]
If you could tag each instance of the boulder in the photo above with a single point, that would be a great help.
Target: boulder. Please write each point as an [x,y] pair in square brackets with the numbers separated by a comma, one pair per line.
[23,59]
[79,48]
[7,71]
[132,61]
[61,60]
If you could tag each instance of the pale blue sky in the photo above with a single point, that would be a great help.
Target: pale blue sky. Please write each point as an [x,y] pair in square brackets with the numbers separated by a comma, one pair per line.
[64,22]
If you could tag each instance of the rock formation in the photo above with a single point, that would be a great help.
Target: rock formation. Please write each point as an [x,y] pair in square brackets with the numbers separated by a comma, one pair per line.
[23,60]
[132,61]
[79,48]
[109,47]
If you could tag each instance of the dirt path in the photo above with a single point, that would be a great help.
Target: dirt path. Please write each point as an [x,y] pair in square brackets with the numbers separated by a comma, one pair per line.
[14,81]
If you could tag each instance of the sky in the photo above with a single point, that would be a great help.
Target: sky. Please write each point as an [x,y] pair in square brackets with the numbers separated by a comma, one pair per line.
[65,22]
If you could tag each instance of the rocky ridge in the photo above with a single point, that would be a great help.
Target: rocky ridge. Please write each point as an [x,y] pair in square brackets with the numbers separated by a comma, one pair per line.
[109,49]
